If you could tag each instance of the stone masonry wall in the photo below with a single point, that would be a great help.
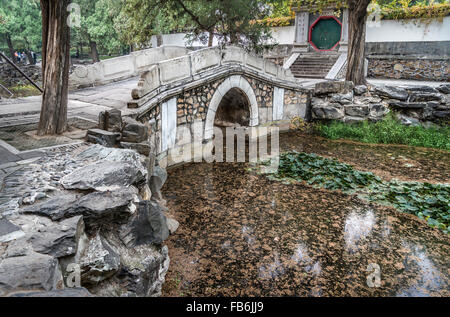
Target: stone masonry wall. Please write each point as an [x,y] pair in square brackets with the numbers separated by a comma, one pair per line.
[408,68]
[11,77]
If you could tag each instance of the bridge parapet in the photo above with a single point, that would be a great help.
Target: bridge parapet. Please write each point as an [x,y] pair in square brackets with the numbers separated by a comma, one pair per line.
[198,64]
[122,67]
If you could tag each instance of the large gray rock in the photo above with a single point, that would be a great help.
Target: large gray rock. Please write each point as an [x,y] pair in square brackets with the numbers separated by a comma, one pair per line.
[333,87]
[103,137]
[9,231]
[142,148]
[142,272]
[110,120]
[109,205]
[392,92]
[360,90]
[157,181]
[134,131]
[30,272]
[68,292]
[98,262]
[444,88]
[422,89]
[117,204]
[424,96]
[328,112]
[408,121]
[343,99]
[148,226]
[56,208]
[58,239]
[378,110]
[104,175]
[357,110]
[407,105]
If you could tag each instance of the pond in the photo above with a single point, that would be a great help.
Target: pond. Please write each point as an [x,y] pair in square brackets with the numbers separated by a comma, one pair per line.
[242,234]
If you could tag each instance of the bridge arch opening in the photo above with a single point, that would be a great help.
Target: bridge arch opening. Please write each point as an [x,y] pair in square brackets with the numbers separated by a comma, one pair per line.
[235,101]
[233,110]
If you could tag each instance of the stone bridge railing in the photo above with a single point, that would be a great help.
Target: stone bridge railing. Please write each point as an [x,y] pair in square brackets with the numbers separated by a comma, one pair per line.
[123,67]
[200,66]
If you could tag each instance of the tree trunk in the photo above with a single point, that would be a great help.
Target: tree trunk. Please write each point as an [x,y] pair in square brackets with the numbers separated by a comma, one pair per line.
[10,47]
[159,40]
[55,66]
[211,39]
[357,41]
[94,51]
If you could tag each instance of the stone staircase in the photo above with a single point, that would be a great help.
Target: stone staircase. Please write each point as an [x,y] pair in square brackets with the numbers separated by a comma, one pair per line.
[313,65]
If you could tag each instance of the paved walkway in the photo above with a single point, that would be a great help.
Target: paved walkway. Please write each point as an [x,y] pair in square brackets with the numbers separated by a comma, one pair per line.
[86,103]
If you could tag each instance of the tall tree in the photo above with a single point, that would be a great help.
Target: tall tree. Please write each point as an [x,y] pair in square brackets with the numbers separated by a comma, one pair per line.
[357,40]
[229,21]
[55,66]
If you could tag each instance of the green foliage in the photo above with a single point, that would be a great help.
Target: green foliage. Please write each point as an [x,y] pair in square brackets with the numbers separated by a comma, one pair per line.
[98,24]
[427,201]
[21,20]
[388,131]
[231,22]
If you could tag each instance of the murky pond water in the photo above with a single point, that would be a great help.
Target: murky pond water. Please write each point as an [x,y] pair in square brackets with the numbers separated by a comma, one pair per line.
[242,234]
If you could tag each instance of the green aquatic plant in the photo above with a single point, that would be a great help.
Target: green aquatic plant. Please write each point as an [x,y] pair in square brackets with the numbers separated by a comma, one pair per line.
[427,201]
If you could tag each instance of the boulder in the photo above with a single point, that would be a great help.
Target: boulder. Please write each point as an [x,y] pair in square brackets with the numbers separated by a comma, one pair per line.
[360,90]
[102,137]
[9,231]
[110,205]
[441,114]
[408,121]
[333,87]
[98,262]
[407,105]
[424,96]
[444,88]
[343,99]
[147,226]
[422,89]
[142,271]
[157,181]
[349,119]
[58,239]
[31,272]
[328,112]
[68,292]
[378,110]
[110,120]
[142,148]
[172,225]
[357,110]
[56,208]
[392,92]
[104,175]
[134,131]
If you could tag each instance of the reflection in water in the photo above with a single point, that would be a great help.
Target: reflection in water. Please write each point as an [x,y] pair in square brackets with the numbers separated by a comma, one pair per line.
[428,278]
[357,228]
[272,270]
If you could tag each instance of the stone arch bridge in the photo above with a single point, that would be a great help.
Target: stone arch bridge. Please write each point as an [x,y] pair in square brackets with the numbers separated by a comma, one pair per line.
[213,86]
